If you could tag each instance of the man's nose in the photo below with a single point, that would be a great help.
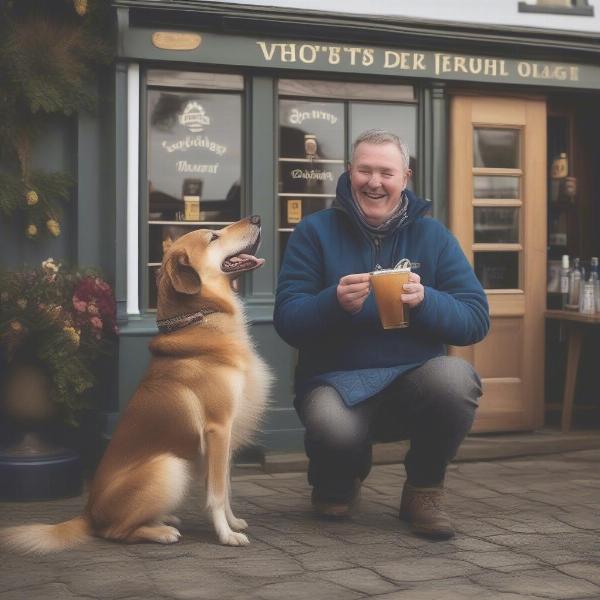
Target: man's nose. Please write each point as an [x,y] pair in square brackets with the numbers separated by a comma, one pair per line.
[374,180]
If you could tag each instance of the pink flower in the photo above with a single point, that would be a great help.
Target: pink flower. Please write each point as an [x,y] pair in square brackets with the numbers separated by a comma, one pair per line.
[80,305]
[96,322]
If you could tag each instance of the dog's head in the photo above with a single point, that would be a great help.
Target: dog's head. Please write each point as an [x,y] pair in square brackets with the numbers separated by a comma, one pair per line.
[202,266]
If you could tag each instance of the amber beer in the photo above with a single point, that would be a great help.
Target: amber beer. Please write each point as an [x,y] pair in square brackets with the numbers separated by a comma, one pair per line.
[388,286]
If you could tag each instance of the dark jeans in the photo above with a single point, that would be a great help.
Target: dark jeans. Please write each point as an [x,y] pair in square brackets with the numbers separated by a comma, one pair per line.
[433,406]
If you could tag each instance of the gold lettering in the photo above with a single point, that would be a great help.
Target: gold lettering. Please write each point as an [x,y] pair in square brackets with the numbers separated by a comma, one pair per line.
[268,54]
[489,66]
[404,56]
[368,57]
[574,72]
[524,69]
[459,64]
[288,52]
[446,65]
[475,65]
[353,52]
[418,62]
[334,55]
[560,73]
[312,53]
[437,63]
[503,70]
[390,56]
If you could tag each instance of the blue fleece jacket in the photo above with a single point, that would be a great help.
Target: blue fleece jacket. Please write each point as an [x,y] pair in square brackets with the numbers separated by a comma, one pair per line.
[353,353]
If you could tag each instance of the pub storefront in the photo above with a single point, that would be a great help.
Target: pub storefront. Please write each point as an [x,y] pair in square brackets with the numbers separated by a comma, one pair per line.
[220,114]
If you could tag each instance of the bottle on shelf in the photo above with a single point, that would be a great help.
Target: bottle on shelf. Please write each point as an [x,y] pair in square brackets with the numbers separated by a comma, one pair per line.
[587,303]
[595,279]
[575,285]
[564,280]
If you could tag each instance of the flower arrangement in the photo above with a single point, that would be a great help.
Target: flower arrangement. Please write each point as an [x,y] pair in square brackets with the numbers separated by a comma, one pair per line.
[61,320]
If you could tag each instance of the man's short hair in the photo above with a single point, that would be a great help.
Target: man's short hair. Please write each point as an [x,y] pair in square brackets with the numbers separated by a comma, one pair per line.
[382,136]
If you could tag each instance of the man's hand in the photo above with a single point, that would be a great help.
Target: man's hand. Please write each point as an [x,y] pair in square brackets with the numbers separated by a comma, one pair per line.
[414,292]
[352,291]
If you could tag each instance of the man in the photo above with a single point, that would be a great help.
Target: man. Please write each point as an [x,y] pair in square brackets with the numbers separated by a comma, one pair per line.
[356,382]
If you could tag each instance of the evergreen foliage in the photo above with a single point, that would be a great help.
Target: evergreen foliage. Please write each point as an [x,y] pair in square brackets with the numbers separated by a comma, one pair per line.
[49,54]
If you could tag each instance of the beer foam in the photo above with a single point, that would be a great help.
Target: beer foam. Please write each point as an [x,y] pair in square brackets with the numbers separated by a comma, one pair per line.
[385,271]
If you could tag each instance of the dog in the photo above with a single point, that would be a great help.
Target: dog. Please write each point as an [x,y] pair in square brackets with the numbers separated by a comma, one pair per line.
[202,397]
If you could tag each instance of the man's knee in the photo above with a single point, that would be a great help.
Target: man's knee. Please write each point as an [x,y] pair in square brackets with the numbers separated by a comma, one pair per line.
[452,382]
[330,423]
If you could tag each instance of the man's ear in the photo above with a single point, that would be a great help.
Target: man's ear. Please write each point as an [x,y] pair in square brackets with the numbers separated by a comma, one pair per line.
[184,278]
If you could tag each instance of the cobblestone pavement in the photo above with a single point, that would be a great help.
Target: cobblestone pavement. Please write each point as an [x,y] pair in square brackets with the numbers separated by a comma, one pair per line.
[528,528]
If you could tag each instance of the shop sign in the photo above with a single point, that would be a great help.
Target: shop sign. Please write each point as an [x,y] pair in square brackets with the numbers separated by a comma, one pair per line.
[375,60]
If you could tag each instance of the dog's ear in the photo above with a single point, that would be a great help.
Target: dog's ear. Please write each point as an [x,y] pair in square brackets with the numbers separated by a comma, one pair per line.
[184,278]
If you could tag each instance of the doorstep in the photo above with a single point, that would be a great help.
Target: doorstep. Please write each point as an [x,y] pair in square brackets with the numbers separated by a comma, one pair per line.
[476,447]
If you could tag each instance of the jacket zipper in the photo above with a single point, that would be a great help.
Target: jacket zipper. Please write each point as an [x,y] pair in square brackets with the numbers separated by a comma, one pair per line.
[377,244]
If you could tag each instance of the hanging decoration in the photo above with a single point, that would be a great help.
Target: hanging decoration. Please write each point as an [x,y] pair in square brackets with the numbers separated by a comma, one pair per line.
[49,54]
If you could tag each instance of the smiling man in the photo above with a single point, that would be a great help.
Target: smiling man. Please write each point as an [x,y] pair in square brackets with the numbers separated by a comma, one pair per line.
[356,382]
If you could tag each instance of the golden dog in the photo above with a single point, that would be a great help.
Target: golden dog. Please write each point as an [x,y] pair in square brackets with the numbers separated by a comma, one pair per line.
[202,396]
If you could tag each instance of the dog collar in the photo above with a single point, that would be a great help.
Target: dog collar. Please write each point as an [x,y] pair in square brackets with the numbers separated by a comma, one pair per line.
[180,321]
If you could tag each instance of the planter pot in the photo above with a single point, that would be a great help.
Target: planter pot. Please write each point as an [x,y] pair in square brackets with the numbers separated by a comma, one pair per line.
[34,468]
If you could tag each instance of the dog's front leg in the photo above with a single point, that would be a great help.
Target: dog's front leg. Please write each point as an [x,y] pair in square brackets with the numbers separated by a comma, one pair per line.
[218,439]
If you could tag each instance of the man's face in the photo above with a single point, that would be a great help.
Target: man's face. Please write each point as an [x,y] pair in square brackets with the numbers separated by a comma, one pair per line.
[378,176]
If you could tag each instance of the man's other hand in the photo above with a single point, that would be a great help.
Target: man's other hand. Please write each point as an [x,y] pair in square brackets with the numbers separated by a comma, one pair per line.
[352,291]
[414,292]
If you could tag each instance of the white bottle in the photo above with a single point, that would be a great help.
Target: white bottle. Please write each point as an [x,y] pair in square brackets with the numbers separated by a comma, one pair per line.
[588,303]
[575,280]
[564,281]
[595,281]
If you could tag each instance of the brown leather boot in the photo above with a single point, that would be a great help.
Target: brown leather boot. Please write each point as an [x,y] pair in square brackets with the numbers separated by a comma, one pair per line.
[423,508]
[337,507]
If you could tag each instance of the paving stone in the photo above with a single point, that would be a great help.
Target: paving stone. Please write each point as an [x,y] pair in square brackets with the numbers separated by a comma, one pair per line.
[527,528]
[301,590]
[543,583]
[451,589]
[360,580]
[495,559]
[590,571]
[424,569]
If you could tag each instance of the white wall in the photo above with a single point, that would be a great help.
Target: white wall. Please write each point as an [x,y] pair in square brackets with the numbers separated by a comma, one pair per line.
[489,12]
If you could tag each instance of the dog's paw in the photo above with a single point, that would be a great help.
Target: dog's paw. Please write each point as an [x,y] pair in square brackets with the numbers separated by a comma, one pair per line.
[238,524]
[167,535]
[234,539]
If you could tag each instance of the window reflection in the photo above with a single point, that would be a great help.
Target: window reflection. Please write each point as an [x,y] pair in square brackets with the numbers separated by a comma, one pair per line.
[497,270]
[194,156]
[496,225]
[496,148]
[493,187]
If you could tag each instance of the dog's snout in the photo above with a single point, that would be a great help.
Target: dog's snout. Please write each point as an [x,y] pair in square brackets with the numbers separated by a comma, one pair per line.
[255,219]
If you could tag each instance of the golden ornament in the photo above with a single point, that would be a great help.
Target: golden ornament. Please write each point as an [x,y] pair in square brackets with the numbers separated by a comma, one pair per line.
[80,7]
[31,231]
[73,335]
[32,198]
[16,326]
[53,227]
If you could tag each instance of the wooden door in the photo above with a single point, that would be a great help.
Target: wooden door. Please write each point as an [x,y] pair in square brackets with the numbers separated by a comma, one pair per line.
[498,213]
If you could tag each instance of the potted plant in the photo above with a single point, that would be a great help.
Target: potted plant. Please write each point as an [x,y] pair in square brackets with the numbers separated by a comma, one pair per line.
[54,323]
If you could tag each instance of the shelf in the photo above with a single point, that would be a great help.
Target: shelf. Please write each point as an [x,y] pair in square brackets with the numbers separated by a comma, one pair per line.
[334,161]
[302,195]
[190,222]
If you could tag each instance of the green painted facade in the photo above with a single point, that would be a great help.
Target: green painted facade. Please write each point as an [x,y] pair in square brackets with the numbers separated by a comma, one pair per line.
[263,45]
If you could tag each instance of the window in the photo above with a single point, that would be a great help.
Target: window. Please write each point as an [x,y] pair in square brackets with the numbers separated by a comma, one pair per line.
[317,123]
[497,204]
[194,160]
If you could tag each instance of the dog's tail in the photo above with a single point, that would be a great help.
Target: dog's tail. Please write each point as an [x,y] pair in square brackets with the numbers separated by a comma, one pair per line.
[43,539]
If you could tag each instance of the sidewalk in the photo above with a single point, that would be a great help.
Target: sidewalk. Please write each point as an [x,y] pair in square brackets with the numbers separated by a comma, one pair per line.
[529,528]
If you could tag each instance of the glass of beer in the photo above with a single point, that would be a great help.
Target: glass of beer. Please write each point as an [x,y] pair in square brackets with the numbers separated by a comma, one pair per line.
[388,286]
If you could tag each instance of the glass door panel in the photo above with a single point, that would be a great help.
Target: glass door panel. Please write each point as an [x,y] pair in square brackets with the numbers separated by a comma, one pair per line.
[194,166]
